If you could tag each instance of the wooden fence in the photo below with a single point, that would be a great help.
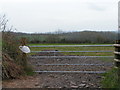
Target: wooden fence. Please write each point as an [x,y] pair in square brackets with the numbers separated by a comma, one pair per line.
[117,58]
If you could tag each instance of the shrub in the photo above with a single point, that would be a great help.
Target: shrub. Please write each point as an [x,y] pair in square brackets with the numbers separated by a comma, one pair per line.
[13,63]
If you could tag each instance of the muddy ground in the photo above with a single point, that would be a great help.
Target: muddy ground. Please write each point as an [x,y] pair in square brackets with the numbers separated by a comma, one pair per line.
[63,80]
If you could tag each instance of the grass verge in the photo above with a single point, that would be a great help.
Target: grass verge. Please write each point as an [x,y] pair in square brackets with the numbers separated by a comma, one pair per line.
[110,79]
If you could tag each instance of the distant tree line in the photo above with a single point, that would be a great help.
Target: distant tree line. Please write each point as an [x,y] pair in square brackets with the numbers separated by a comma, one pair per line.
[71,37]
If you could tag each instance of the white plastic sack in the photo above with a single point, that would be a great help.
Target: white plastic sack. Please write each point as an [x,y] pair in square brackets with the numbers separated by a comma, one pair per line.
[24,49]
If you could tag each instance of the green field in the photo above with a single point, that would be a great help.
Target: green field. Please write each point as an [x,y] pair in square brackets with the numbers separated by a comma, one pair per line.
[77,49]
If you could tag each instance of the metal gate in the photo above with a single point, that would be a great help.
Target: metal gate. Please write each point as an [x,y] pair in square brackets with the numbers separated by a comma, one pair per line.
[71,57]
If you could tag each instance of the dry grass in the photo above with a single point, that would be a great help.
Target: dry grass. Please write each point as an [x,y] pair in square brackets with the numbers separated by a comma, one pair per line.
[10,68]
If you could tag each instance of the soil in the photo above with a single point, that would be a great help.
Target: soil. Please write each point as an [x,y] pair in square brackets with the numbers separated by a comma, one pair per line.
[62,80]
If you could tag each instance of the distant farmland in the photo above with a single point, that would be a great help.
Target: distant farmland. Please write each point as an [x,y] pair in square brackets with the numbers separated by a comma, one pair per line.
[84,37]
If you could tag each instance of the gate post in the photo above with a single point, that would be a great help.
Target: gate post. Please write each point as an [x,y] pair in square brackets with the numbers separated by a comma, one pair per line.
[117,47]
[24,55]
[117,58]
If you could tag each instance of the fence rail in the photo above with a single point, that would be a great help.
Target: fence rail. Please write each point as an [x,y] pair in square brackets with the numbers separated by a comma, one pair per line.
[73,64]
[116,45]
[92,72]
[116,52]
[71,56]
[71,45]
[68,51]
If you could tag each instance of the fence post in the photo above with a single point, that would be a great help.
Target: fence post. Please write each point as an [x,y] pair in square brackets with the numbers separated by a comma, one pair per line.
[117,58]
[24,55]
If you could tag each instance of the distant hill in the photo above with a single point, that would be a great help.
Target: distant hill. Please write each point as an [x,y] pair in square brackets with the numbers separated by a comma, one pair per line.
[71,37]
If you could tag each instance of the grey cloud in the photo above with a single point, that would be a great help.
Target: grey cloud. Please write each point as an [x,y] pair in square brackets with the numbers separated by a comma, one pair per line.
[96,6]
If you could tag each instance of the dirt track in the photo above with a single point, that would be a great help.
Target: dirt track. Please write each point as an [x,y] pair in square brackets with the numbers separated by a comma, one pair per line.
[63,80]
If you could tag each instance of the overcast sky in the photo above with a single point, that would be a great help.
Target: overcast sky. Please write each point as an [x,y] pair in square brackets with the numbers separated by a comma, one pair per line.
[65,15]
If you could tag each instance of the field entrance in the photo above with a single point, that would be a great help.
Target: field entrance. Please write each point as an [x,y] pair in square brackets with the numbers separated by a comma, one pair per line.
[71,66]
